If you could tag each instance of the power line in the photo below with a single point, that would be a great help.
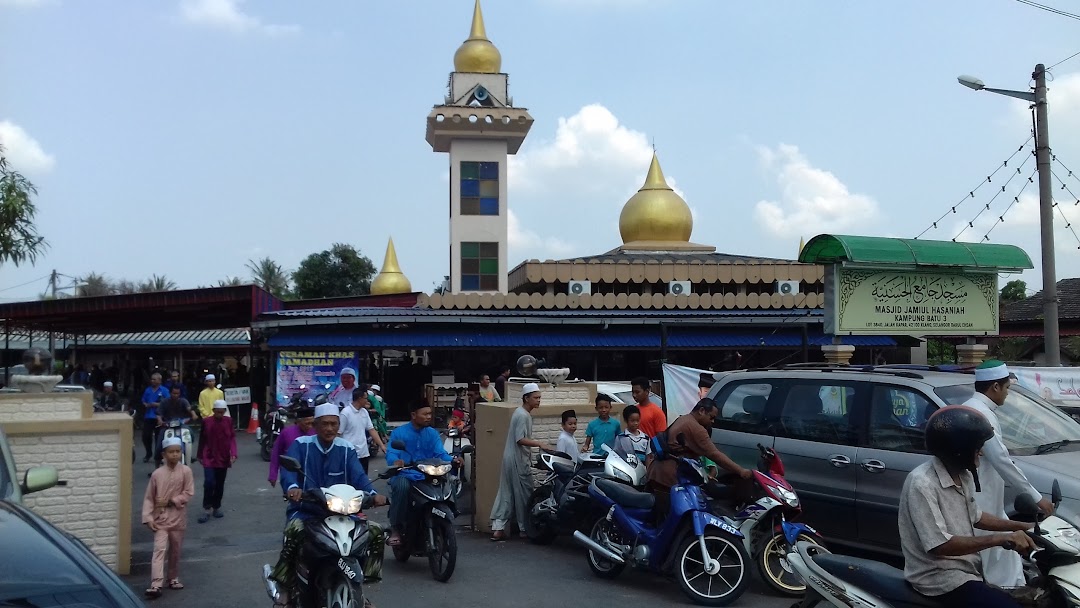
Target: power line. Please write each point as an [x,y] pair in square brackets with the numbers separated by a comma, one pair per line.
[1001,218]
[25,284]
[1068,224]
[986,207]
[971,193]
[1050,9]
[1063,61]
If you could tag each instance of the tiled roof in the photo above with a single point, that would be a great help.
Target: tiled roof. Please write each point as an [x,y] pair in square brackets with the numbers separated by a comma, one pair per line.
[1031,309]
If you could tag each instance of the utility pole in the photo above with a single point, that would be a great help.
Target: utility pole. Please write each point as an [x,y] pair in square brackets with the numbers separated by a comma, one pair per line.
[1051,337]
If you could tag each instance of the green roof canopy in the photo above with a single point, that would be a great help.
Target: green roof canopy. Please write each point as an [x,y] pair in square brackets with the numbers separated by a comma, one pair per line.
[881,251]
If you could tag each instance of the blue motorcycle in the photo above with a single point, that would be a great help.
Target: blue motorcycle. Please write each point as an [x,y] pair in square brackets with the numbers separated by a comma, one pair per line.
[704,551]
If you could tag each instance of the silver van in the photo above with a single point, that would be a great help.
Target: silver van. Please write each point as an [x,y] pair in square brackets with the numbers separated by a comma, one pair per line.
[849,436]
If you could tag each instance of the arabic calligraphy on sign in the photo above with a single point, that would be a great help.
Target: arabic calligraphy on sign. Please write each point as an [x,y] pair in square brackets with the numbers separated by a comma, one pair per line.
[919,288]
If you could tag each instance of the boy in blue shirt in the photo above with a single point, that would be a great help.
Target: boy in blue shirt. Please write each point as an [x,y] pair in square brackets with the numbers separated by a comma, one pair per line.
[603,429]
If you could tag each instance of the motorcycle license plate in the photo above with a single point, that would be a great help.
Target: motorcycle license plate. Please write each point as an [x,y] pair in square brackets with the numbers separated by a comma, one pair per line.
[440,513]
[719,523]
[348,568]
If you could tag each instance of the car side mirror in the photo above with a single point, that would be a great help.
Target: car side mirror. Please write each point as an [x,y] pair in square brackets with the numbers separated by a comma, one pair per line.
[398,444]
[289,463]
[39,478]
[1026,505]
[468,449]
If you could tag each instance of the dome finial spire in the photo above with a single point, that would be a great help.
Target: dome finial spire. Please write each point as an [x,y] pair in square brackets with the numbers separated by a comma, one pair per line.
[390,279]
[655,180]
[477,54]
[656,213]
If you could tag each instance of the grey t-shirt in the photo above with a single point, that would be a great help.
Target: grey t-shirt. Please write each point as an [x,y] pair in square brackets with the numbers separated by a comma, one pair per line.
[933,509]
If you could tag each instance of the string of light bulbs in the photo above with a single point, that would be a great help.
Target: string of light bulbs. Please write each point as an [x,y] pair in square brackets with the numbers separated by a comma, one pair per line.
[971,193]
[986,207]
[1001,218]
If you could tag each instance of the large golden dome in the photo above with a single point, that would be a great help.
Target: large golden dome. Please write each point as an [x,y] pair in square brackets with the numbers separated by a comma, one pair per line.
[477,54]
[656,213]
[390,279]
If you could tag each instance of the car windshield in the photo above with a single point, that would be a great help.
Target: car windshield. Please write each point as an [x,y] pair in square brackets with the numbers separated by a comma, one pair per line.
[1029,424]
[628,397]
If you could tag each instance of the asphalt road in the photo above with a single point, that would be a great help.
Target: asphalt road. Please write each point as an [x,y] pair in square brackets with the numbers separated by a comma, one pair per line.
[222,560]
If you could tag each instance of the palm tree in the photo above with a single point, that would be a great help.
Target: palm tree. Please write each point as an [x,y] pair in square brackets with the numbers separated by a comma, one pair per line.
[19,240]
[157,283]
[269,275]
[125,286]
[231,282]
[94,284]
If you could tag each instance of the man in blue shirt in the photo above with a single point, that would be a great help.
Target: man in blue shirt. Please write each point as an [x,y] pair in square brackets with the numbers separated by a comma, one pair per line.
[325,459]
[152,396]
[421,443]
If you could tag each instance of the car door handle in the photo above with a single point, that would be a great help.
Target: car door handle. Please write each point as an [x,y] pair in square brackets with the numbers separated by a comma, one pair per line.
[839,460]
[874,466]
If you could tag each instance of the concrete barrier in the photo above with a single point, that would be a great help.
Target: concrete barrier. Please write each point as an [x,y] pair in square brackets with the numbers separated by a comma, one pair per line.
[92,453]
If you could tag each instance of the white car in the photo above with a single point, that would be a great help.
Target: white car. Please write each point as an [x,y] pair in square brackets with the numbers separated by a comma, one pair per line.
[623,392]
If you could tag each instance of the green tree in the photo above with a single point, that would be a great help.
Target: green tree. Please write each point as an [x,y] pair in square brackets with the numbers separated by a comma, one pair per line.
[1014,291]
[337,272]
[94,284]
[19,240]
[156,283]
[125,286]
[269,275]
[231,282]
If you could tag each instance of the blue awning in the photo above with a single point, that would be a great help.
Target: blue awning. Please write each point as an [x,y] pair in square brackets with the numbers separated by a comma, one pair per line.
[584,338]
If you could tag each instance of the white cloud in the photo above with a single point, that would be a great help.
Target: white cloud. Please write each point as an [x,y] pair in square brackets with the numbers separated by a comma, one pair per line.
[525,243]
[22,151]
[812,200]
[226,14]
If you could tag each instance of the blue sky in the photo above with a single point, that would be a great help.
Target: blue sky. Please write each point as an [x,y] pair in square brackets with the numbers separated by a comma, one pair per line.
[185,137]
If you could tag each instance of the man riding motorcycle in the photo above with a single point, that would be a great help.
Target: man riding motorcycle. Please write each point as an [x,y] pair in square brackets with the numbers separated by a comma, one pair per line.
[325,459]
[939,515]
[421,443]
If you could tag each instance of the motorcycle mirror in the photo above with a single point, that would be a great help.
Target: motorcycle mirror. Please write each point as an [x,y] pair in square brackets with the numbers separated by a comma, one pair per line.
[1025,505]
[398,444]
[289,463]
[1055,494]
[468,449]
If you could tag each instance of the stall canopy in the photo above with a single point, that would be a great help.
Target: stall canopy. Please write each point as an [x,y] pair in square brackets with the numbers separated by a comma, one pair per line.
[912,253]
[188,309]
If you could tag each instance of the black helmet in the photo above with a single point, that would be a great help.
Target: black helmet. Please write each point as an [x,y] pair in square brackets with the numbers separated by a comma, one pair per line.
[955,434]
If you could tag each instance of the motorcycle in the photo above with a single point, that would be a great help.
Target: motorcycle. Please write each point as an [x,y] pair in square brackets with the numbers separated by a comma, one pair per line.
[704,551]
[430,514]
[843,581]
[277,420]
[177,428]
[453,445]
[768,532]
[561,503]
[329,567]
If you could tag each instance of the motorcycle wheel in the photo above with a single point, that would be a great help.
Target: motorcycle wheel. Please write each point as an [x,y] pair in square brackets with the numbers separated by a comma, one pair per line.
[600,532]
[265,449]
[443,556]
[344,594]
[771,561]
[718,589]
[539,530]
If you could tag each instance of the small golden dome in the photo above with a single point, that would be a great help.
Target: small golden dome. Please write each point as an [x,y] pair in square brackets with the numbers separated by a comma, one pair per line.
[390,279]
[477,54]
[656,213]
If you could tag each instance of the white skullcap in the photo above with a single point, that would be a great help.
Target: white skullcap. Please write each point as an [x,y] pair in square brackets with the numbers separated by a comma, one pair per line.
[108,384]
[990,371]
[376,387]
[326,409]
[209,378]
[171,441]
[220,404]
[531,387]
[348,370]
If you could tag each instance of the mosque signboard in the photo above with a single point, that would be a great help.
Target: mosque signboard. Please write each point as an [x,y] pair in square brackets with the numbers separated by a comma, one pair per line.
[902,302]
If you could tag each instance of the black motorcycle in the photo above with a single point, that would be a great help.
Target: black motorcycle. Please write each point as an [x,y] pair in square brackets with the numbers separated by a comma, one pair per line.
[429,527]
[275,423]
[560,504]
[329,567]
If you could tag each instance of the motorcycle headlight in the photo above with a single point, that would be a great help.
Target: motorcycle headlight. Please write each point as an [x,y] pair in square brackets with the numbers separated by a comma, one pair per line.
[342,506]
[791,498]
[435,470]
[623,475]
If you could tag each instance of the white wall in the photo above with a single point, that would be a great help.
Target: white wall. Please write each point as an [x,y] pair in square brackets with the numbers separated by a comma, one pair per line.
[479,228]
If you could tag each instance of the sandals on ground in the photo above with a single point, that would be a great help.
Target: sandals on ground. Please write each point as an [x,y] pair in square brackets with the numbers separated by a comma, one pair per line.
[153,592]
[499,536]
[176,584]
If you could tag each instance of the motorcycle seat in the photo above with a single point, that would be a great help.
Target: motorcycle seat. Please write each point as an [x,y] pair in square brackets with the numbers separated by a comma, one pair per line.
[562,470]
[625,495]
[881,580]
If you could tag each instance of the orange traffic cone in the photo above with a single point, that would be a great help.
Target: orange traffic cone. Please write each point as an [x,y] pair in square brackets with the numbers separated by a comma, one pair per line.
[253,424]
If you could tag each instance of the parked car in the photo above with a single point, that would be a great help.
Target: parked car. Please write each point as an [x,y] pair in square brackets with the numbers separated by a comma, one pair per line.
[624,392]
[35,480]
[849,436]
[44,566]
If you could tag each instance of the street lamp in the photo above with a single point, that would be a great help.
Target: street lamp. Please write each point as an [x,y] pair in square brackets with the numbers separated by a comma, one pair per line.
[1051,337]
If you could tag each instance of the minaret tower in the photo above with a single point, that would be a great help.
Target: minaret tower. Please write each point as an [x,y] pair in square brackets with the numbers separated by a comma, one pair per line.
[479,126]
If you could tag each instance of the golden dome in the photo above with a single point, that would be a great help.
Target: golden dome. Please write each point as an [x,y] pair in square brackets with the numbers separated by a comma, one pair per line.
[477,54]
[390,280]
[656,213]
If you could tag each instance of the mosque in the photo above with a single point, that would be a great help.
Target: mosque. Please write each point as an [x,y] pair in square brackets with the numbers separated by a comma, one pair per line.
[615,314]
